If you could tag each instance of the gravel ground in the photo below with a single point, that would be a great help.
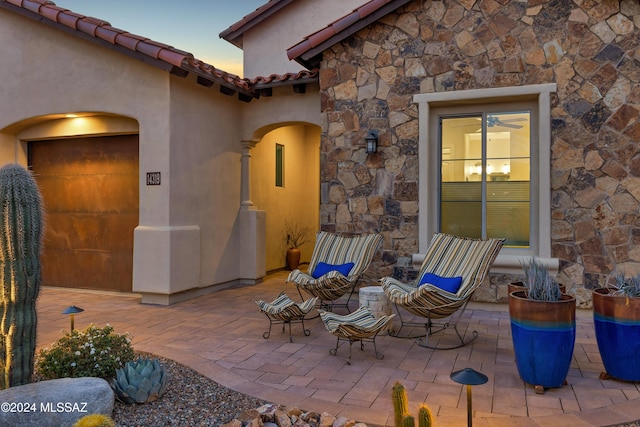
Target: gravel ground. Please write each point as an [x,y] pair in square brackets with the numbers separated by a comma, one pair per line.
[191,400]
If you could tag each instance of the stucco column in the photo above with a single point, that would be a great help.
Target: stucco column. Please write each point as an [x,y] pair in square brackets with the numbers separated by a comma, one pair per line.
[245,190]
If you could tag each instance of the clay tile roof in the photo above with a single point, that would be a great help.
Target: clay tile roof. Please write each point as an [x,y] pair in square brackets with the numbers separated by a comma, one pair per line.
[308,51]
[303,76]
[159,54]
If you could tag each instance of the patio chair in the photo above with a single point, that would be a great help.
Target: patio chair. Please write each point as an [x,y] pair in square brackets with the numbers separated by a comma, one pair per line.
[284,310]
[453,268]
[336,265]
[360,325]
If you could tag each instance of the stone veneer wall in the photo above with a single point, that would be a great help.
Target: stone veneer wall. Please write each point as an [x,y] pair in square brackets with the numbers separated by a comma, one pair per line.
[589,48]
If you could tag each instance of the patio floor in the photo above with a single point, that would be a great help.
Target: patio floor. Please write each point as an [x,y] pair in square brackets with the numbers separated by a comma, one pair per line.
[220,336]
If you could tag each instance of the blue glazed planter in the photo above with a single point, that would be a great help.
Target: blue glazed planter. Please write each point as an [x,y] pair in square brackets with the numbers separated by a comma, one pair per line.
[616,321]
[543,335]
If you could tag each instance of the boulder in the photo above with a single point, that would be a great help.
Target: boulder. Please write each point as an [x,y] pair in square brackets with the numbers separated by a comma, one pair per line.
[55,403]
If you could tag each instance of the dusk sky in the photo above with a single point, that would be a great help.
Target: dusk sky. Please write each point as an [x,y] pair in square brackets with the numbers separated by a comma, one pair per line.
[191,25]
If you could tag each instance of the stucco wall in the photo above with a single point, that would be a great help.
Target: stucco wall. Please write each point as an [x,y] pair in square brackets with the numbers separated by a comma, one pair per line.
[205,173]
[588,48]
[186,237]
[265,45]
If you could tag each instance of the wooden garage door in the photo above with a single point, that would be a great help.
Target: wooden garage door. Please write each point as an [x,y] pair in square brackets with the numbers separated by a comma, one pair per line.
[90,192]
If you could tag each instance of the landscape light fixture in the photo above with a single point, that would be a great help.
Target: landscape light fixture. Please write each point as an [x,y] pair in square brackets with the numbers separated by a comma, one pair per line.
[469,377]
[372,141]
[72,310]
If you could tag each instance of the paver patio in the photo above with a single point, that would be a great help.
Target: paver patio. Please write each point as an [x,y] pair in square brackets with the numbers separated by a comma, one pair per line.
[220,336]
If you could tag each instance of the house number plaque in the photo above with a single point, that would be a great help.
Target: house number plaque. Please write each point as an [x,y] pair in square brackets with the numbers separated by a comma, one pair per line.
[153,178]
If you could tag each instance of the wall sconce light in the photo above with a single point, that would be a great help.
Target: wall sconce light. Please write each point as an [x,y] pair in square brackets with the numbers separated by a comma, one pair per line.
[469,377]
[372,141]
[72,310]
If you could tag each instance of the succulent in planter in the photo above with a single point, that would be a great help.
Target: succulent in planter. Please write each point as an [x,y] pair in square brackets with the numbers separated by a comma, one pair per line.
[616,318]
[627,287]
[295,236]
[541,286]
[140,381]
[543,328]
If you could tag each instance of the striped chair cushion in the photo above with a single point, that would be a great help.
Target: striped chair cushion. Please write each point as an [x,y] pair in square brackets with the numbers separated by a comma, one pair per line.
[450,256]
[447,256]
[359,324]
[335,249]
[284,308]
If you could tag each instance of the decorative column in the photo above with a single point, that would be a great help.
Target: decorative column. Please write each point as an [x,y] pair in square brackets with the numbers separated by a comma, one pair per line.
[252,226]
[245,190]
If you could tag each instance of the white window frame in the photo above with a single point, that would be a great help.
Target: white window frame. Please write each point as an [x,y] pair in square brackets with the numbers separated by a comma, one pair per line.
[510,259]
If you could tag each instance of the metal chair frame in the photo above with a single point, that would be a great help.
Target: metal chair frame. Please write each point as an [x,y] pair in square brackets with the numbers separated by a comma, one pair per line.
[360,326]
[285,311]
[447,256]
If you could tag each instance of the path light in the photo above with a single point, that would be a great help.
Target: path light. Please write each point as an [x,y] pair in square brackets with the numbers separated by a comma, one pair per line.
[469,377]
[72,310]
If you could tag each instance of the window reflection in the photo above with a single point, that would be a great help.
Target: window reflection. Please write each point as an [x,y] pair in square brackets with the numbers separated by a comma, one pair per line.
[485,176]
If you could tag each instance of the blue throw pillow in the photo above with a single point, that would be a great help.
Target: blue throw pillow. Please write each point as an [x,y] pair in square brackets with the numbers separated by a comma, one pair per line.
[449,284]
[323,268]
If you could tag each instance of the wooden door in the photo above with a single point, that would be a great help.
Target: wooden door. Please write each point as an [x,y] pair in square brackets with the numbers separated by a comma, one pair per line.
[90,191]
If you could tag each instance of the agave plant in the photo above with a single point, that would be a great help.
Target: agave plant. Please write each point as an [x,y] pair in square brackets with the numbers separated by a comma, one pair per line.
[541,285]
[627,287]
[140,381]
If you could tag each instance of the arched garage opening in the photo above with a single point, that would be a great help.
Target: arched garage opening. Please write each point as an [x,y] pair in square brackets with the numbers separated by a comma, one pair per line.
[90,191]
[87,169]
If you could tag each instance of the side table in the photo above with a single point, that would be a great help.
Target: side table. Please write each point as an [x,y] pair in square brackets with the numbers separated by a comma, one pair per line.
[376,300]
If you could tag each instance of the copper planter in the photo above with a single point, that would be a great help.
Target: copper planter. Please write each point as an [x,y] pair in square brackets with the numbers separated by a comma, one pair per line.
[617,325]
[543,335]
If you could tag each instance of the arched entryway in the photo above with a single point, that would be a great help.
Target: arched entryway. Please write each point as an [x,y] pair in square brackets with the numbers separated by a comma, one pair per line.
[286,184]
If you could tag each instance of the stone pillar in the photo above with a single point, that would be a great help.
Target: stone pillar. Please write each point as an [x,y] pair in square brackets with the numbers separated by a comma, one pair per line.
[376,300]
[245,191]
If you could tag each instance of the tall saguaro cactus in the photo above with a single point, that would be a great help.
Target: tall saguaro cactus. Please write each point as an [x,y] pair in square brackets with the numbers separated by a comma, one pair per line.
[21,232]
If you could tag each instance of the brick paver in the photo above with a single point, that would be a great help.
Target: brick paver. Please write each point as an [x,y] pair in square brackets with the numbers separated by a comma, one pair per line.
[220,336]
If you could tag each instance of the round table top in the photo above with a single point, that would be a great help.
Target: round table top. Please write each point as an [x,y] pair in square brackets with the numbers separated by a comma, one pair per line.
[371,289]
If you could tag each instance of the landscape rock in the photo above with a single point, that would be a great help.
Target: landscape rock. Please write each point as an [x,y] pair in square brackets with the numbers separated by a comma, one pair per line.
[55,403]
[271,415]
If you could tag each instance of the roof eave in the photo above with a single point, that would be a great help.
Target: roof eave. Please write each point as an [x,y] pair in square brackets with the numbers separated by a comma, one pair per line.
[310,80]
[235,32]
[205,75]
[311,56]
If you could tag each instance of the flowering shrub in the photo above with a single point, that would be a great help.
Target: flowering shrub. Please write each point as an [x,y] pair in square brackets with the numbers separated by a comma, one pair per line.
[93,352]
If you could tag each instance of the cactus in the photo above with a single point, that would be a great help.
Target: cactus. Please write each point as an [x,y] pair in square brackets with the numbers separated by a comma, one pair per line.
[408,421]
[95,420]
[401,409]
[140,381]
[21,232]
[424,417]
[400,403]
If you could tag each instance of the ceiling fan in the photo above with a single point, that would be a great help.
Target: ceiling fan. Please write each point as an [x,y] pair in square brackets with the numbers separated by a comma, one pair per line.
[507,123]
[493,120]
